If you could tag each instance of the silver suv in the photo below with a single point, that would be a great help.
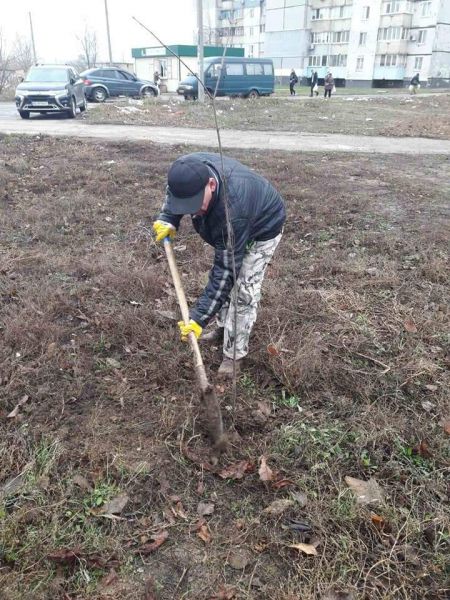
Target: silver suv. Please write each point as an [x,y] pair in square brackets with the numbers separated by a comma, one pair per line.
[50,89]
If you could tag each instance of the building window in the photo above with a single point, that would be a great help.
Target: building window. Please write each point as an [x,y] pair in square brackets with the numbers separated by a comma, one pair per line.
[360,63]
[422,36]
[316,14]
[426,9]
[340,37]
[391,7]
[393,60]
[324,60]
[314,61]
[251,31]
[262,28]
[338,60]
[363,38]
[250,50]
[365,13]
[252,12]
[393,33]
[409,6]
[418,62]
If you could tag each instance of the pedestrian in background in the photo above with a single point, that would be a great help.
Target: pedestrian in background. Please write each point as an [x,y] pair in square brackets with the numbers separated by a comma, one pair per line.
[293,80]
[314,83]
[329,85]
[414,84]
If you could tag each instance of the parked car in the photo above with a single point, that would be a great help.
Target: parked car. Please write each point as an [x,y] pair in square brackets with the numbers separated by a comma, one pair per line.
[104,82]
[247,77]
[50,89]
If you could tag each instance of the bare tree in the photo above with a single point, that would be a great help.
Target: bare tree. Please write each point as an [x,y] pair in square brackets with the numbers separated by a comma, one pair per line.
[22,54]
[88,42]
[5,63]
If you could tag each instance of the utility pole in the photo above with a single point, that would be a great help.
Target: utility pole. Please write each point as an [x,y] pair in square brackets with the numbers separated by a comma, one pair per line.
[107,33]
[32,39]
[200,46]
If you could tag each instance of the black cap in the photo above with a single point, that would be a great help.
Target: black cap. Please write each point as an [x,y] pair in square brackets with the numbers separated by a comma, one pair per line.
[186,182]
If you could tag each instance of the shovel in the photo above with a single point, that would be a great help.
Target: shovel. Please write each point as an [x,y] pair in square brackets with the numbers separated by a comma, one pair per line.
[208,396]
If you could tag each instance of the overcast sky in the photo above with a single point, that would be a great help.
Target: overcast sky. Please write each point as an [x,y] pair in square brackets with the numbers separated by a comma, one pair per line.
[56,25]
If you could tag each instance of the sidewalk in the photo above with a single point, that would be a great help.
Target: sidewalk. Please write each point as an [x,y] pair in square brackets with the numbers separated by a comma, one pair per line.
[262,140]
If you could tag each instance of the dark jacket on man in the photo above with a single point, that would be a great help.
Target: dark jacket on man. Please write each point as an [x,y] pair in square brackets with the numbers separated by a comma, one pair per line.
[415,80]
[314,78]
[257,213]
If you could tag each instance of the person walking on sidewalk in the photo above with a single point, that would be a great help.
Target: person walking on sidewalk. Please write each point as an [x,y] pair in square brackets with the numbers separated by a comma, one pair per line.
[257,214]
[293,80]
[414,84]
[329,85]
[314,83]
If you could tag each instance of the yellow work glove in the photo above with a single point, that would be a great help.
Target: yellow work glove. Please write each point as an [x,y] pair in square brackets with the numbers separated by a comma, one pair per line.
[191,327]
[163,230]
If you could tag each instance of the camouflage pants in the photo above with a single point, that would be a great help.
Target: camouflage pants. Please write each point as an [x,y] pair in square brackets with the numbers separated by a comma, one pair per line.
[248,291]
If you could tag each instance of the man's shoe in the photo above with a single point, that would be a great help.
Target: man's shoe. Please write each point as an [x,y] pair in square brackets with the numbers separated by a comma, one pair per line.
[214,336]
[226,368]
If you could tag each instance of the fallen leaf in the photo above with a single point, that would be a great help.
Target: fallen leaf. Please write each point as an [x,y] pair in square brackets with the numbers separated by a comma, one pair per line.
[300,498]
[178,511]
[203,533]
[239,558]
[431,388]
[410,326]
[305,548]
[15,410]
[273,350]
[265,472]
[367,492]
[158,540]
[278,507]
[205,508]
[422,449]
[446,426]
[236,470]
[115,506]
[427,405]
[378,521]
[282,483]
[67,556]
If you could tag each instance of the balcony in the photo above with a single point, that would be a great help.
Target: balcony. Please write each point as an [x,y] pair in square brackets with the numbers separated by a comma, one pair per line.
[395,73]
[392,47]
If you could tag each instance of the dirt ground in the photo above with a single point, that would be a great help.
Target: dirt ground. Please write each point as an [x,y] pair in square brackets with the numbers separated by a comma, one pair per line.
[107,487]
[395,116]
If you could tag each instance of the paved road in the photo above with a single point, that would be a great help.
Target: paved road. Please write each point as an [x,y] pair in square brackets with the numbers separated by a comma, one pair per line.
[58,125]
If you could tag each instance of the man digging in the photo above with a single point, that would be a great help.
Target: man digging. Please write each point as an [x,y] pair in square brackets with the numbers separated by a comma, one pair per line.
[257,214]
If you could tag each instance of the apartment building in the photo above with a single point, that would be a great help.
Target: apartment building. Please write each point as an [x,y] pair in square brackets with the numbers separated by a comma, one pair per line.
[379,43]
[237,23]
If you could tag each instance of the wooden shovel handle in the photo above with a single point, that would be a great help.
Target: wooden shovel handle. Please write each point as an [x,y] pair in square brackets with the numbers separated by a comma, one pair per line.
[181,297]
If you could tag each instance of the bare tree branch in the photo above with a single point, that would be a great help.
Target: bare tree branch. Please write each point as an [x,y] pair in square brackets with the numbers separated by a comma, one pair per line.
[5,63]
[88,43]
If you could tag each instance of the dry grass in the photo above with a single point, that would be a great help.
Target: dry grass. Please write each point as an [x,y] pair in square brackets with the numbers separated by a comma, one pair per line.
[354,305]
[401,115]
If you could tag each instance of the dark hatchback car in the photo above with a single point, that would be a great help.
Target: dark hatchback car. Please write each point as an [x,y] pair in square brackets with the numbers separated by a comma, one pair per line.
[50,89]
[105,82]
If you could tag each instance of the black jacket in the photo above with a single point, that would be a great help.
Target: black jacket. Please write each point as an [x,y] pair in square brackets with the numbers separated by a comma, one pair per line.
[415,80]
[257,213]
[314,78]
